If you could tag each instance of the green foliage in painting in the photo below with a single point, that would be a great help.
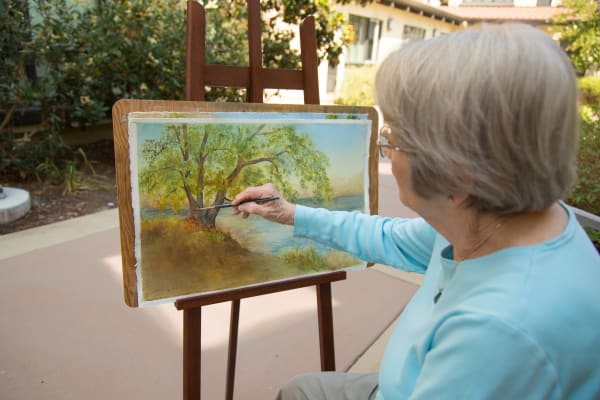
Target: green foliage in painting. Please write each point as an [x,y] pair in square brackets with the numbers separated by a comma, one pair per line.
[197,165]
[310,259]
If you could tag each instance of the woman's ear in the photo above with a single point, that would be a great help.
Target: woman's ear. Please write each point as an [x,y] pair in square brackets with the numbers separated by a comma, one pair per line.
[463,181]
[457,200]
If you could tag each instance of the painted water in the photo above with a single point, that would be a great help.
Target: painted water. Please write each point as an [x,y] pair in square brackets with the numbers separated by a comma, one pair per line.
[261,236]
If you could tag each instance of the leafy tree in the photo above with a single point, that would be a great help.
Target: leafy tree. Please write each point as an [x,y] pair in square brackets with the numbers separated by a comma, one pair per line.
[196,165]
[579,29]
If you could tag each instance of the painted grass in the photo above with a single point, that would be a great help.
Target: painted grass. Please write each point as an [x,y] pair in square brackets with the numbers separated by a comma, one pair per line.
[179,259]
[310,260]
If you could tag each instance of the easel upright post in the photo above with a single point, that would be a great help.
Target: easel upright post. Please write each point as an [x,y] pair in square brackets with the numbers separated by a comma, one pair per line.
[310,72]
[195,58]
[192,324]
[232,348]
[325,314]
[255,91]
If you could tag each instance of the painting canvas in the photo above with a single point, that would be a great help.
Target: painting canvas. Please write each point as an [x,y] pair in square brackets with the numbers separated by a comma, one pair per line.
[180,163]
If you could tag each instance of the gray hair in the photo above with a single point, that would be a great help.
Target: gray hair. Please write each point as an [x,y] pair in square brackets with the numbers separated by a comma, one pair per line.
[488,112]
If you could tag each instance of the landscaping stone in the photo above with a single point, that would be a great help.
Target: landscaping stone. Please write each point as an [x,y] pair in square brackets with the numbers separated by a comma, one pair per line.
[16,204]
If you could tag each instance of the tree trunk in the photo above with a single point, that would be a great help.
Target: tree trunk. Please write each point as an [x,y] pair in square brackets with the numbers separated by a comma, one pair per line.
[205,218]
[208,218]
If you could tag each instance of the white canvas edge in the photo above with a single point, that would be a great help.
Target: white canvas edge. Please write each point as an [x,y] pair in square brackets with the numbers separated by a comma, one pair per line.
[135,201]
[135,117]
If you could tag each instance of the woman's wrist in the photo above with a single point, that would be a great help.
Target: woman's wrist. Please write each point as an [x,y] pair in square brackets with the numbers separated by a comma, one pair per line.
[287,214]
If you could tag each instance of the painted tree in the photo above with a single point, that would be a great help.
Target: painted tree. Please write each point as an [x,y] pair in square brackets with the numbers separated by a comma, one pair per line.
[197,165]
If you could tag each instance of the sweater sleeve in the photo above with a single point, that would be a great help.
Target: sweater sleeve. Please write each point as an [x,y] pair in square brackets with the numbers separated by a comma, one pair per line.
[402,243]
[481,357]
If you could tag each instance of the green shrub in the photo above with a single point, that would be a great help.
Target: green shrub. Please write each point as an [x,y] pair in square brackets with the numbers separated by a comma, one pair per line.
[586,193]
[120,49]
[590,89]
[594,235]
[71,64]
[357,87]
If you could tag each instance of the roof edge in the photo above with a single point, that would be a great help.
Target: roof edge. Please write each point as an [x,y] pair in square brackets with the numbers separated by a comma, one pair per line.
[424,9]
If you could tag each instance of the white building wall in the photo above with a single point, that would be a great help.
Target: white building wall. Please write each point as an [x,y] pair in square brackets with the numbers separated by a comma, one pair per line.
[394,20]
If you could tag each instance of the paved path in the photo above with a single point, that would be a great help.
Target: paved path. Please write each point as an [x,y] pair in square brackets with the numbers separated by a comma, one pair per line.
[67,334]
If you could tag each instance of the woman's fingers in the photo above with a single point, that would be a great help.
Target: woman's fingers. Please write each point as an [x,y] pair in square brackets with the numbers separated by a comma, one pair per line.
[278,210]
[255,192]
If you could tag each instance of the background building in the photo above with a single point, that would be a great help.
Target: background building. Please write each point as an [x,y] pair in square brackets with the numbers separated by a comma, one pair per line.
[385,25]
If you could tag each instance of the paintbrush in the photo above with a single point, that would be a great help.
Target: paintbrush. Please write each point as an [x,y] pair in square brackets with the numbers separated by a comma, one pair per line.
[259,201]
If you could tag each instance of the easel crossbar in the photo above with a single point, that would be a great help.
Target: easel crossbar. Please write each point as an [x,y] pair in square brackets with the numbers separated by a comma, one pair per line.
[233,76]
[252,291]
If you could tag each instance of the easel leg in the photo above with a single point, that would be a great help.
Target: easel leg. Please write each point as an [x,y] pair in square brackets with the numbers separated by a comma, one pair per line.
[326,326]
[192,321]
[231,356]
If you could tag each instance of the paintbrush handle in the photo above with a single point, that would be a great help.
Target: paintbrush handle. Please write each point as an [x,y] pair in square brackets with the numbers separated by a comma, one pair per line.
[259,201]
[263,200]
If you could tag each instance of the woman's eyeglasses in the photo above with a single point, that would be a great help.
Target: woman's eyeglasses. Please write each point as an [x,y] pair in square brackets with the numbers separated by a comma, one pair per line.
[383,142]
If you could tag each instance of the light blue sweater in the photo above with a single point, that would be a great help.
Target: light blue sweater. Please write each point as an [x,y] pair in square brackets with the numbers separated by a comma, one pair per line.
[521,323]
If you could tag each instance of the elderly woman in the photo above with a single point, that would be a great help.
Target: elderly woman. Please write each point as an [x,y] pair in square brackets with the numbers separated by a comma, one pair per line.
[481,130]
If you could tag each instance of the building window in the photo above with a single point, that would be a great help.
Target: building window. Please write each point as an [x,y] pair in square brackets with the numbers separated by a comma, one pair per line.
[366,40]
[412,33]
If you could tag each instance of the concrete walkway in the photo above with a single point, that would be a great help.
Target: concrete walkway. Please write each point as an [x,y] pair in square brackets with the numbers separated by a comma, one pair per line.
[67,334]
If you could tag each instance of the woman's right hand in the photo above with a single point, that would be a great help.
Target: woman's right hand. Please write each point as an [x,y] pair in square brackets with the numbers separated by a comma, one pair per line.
[280,210]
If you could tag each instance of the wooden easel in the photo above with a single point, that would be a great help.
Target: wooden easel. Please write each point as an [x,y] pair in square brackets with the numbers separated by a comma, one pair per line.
[255,79]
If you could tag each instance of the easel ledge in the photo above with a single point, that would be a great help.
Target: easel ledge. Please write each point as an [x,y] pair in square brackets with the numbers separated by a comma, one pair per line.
[258,290]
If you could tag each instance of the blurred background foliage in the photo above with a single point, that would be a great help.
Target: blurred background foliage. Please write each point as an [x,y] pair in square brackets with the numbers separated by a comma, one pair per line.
[357,87]
[586,193]
[65,66]
[65,63]
[579,30]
